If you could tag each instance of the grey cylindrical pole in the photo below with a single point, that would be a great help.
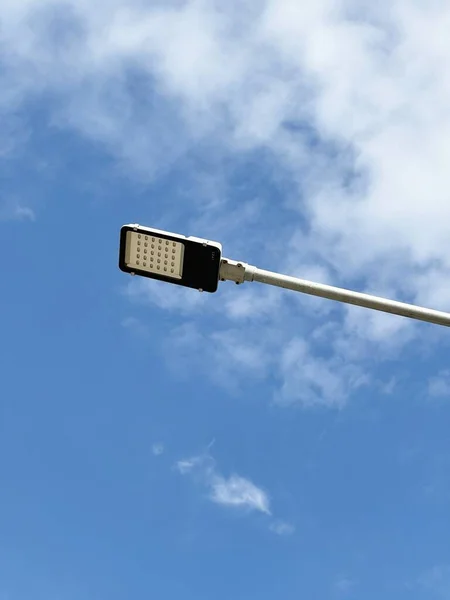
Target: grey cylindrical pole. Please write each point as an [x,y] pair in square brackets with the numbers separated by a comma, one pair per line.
[348,296]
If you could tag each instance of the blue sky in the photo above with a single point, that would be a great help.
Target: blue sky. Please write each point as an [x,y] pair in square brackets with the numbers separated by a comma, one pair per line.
[254,443]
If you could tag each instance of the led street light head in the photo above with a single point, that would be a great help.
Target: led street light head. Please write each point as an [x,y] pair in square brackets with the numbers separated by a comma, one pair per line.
[188,261]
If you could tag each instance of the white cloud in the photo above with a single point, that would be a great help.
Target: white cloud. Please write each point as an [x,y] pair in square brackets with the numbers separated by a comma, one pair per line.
[180,299]
[344,585]
[222,356]
[282,528]
[314,381]
[236,491]
[371,82]
[435,582]
[11,210]
[252,303]
[322,367]
[24,212]
[377,326]
[233,492]
[135,326]
[439,386]
[158,449]
[188,464]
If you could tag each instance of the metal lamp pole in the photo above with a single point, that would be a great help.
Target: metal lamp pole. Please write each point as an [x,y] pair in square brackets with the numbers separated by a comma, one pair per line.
[240,272]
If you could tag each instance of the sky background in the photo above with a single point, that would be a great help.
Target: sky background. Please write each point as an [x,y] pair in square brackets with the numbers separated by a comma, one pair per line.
[254,443]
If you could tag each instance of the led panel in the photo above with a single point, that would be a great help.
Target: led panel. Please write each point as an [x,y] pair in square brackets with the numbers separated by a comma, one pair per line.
[154,255]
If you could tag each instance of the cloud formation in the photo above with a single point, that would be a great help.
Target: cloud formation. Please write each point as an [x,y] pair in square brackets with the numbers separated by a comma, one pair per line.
[239,492]
[435,582]
[158,449]
[233,491]
[282,528]
[344,586]
[354,103]
[439,386]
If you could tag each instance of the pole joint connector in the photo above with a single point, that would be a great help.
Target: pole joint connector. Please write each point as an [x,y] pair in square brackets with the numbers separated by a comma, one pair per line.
[233,270]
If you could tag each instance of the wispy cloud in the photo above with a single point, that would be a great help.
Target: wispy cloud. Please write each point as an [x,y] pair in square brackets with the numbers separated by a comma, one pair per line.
[374,197]
[13,211]
[435,582]
[181,300]
[187,465]
[158,449]
[312,380]
[439,385]
[252,304]
[239,492]
[229,354]
[344,586]
[234,492]
[135,326]
[282,528]
[293,366]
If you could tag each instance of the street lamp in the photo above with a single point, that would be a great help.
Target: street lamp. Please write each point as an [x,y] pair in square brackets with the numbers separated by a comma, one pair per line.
[198,263]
